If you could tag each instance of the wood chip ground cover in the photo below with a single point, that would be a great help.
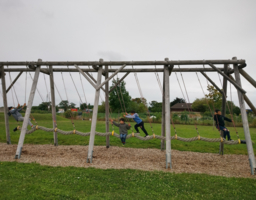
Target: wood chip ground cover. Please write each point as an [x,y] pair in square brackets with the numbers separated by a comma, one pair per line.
[130,158]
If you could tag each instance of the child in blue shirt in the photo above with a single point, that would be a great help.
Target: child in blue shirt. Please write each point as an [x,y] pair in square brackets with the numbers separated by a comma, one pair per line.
[139,122]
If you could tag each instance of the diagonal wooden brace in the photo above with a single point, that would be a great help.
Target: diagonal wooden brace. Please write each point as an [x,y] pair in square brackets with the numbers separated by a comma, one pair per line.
[85,76]
[98,87]
[229,79]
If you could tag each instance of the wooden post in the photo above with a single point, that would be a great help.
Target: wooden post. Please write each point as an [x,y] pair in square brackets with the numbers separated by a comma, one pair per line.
[94,117]
[6,118]
[167,117]
[107,106]
[245,120]
[224,87]
[163,116]
[224,95]
[55,135]
[28,111]
[163,112]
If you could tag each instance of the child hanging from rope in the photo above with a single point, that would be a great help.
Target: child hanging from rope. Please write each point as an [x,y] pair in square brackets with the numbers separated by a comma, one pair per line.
[123,128]
[220,124]
[17,116]
[139,122]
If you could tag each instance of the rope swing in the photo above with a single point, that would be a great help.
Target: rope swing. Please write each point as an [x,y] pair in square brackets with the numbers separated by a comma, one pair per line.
[141,97]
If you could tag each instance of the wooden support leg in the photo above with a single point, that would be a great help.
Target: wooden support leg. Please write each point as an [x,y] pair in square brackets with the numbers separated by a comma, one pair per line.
[224,95]
[94,117]
[107,106]
[27,114]
[6,117]
[167,118]
[245,120]
[163,115]
[55,135]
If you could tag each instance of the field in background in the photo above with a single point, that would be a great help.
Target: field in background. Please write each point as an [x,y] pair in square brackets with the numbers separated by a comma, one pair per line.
[41,137]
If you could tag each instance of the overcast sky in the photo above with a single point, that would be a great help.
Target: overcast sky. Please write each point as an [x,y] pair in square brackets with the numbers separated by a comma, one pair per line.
[79,30]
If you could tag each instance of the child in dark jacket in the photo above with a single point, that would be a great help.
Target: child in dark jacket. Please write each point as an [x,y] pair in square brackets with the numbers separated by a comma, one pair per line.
[138,120]
[220,124]
[123,129]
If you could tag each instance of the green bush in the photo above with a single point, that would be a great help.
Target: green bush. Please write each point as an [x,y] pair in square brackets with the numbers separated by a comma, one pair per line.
[69,114]
[254,122]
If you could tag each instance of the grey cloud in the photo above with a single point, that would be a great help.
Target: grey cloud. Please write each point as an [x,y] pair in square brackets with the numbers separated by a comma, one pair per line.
[110,55]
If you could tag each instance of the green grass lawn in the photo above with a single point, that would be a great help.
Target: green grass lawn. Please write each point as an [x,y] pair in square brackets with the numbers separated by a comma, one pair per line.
[32,181]
[41,137]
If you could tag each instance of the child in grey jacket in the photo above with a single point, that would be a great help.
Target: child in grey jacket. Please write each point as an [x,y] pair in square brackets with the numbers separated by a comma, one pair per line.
[15,112]
[123,129]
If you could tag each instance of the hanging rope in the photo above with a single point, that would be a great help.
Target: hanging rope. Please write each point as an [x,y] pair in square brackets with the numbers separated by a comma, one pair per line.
[189,110]
[75,86]
[46,90]
[142,99]
[26,77]
[68,105]
[158,80]
[13,90]
[208,85]
[226,102]
[36,88]
[204,94]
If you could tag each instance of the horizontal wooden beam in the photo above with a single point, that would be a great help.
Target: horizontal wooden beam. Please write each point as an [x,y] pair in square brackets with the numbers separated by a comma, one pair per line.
[212,82]
[127,63]
[229,79]
[138,70]
[112,88]
[14,81]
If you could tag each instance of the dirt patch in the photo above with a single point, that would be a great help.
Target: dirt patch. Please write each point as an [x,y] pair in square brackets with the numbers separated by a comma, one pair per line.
[130,158]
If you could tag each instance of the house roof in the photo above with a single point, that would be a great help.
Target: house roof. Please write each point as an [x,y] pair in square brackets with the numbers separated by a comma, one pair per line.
[182,105]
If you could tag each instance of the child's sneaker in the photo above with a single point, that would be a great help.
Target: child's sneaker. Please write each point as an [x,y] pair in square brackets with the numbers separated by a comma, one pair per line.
[15,129]
[146,135]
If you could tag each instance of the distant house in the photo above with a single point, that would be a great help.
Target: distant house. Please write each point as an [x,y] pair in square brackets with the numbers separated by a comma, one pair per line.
[180,107]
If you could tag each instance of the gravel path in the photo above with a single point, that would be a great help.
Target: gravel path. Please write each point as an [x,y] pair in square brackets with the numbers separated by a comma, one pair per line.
[130,158]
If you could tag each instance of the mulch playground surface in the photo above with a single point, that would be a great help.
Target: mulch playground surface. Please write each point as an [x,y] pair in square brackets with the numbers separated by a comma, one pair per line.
[130,158]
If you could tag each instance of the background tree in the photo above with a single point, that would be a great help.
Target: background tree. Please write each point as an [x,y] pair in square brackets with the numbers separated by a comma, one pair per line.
[65,105]
[177,100]
[137,107]
[101,108]
[155,106]
[214,96]
[113,97]
[200,105]
[83,106]
[44,106]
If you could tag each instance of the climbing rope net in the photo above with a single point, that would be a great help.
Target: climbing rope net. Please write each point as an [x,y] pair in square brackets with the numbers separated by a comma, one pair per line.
[136,135]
